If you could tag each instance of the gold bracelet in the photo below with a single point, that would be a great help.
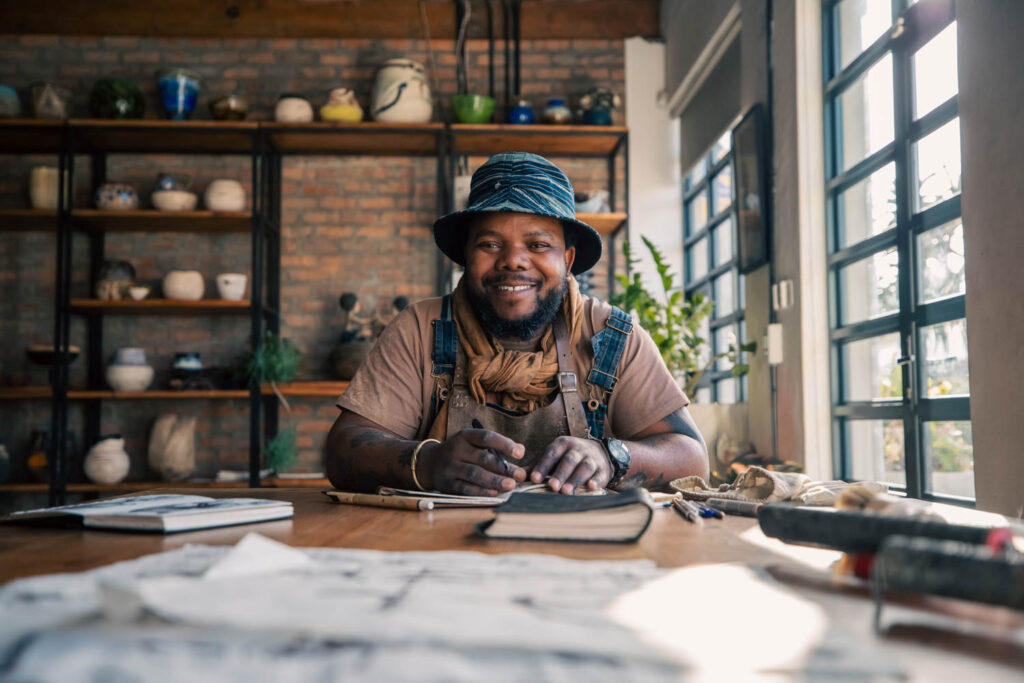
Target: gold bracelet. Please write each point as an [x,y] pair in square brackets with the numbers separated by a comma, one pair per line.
[415,454]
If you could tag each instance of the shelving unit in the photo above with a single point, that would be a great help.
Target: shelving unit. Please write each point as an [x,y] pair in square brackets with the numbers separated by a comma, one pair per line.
[265,144]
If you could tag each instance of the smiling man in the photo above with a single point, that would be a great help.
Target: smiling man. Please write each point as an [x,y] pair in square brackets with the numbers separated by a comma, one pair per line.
[515,376]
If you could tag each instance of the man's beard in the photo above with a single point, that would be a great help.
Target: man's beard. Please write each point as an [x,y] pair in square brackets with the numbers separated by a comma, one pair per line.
[521,328]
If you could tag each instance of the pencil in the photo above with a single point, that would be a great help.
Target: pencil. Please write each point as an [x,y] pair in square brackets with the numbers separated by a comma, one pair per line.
[374,500]
[683,508]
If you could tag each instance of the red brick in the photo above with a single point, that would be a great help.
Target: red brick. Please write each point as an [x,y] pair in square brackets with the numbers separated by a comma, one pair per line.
[141,58]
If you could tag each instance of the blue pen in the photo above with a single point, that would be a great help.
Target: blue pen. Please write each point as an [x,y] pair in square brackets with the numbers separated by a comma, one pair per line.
[707,512]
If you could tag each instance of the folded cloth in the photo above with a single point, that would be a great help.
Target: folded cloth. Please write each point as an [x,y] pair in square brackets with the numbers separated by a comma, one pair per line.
[761,485]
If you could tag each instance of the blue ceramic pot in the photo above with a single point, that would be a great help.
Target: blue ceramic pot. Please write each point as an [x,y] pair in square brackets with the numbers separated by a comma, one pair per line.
[522,113]
[179,90]
[598,117]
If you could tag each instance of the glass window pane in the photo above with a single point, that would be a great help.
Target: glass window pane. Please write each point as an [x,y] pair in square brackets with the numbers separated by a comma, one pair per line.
[869,288]
[867,208]
[725,390]
[697,173]
[945,359]
[743,291]
[724,294]
[940,262]
[723,242]
[861,22]
[696,213]
[875,450]
[870,369]
[938,165]
[724,338]
[697,260]
[703,395]
[721,190]
[949,453]
[866,114]
[704,332]
[935,71]
[721,147]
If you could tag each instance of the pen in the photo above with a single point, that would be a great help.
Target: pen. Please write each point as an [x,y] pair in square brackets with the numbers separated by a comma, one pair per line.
[397,502]
[747,508]
[684,508]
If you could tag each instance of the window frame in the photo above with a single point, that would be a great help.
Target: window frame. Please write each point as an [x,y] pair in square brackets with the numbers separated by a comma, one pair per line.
[913,26]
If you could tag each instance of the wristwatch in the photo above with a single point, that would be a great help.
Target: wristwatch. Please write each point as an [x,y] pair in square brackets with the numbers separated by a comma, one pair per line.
[618,455]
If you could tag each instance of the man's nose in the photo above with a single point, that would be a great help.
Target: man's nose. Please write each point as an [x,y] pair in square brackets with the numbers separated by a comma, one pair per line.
[513,258]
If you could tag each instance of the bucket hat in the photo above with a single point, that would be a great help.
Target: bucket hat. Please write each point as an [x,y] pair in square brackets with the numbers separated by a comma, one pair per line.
[523,183]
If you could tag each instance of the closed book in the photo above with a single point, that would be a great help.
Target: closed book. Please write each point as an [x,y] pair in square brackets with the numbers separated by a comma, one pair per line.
[614,517]
[857,531]
[158,513]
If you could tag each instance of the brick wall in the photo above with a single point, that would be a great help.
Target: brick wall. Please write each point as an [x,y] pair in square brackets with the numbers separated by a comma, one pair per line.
[350,224]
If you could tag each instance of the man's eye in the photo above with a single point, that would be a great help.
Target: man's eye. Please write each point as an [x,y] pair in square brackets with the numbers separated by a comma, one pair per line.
[540,245]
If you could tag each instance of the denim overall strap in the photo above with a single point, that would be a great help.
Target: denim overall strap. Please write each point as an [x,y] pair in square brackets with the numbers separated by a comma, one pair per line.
[446,349]
[608,346]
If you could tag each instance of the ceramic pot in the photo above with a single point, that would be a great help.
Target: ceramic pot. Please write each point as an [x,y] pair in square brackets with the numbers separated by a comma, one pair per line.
[229,108]
[130,355]
[342,107]
[522,113]
[172,450]
[293,109]
[174,200]
[347,357]
[116,197]
[231,286]
[129,377]
[115,278]
[473,108]
[401,93]
[107,461]
[117,98]
[138,292]
[556,112]
[184,285]
[43,184]
[188,360]
[179,91]
[598,117]
[51,101]
[224,194]
[166,181]
[10,103]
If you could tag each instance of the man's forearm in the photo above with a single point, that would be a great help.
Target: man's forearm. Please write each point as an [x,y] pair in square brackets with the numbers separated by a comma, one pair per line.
[361,458]
[658,459]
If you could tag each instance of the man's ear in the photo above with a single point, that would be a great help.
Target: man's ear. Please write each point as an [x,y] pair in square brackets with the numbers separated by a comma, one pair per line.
[570,257]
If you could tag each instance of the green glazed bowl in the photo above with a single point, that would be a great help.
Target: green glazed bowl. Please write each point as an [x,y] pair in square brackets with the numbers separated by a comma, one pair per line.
[473,108]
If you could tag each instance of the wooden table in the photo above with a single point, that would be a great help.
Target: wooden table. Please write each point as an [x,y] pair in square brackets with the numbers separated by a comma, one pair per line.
[670,542]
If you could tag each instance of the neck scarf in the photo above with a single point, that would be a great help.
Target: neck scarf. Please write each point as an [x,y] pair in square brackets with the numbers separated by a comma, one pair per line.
[523,380]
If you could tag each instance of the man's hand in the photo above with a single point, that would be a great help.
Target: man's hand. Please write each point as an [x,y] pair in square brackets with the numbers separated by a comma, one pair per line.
[472,463]
[572,463]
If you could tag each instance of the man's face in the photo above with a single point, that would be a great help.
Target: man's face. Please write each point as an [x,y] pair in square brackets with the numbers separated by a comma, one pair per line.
[516,267]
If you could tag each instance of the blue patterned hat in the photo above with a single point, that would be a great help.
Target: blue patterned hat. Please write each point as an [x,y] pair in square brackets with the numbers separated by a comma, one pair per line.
[523,183]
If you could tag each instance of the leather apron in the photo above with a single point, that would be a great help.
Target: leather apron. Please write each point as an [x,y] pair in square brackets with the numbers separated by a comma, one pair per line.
[535,430]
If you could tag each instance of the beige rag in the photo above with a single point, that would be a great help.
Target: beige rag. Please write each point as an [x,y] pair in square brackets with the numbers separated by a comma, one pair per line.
[761,485]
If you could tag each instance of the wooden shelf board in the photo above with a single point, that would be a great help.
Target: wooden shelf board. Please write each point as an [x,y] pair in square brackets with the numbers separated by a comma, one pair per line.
[28,220]
[160,306]
[30,136]
[604,223]
[96,220]
[311,389]
[547,140]
[130,486]
[14,393]
[287,483]
[355,138]
[330,389]
[164,136]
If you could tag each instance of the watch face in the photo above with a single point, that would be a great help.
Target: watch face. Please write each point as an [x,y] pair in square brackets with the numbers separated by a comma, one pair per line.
[619,453]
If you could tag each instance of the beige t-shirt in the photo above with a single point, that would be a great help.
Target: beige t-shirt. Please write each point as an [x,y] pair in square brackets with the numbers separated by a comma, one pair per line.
[394,386]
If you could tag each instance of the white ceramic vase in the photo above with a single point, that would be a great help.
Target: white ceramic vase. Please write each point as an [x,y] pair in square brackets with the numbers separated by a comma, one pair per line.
[184,285]
[401,93]
[231,286]
[107,461]
[224,194]
[172,450]
[43,182]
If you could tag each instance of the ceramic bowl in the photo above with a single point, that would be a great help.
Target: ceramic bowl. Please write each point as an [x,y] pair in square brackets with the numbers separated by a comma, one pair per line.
[473,108]
[44,354]
[224,194]
[138,292]
[293,109]
[184,285]
[129,377]
[174,200]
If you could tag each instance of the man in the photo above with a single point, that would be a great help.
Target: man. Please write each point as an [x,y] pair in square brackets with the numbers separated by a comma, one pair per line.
[482,390]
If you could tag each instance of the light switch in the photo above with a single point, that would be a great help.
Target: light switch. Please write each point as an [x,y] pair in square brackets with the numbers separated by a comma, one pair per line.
[775,350]
[782,295]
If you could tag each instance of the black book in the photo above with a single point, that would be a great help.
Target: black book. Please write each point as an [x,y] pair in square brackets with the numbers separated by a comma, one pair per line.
[159,513]
[613,517]
[856,531]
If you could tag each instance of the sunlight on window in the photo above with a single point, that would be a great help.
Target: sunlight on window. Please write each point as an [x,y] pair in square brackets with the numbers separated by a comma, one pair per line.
[935,72]
[868,208]
[938,165]
[876,450]
[940,262]
[861,22]
[870,369]
[870,287]
[866,109]
[945,359]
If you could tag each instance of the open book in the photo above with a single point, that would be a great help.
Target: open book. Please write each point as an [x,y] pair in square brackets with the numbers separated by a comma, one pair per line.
[161,513]
[617,517]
